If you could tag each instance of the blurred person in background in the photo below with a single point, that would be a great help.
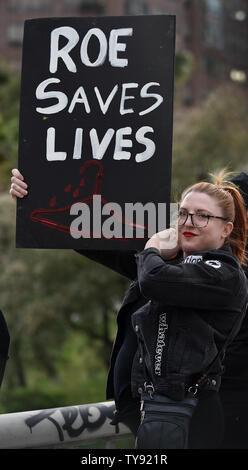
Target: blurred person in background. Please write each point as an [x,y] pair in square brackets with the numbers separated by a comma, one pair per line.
[234,385]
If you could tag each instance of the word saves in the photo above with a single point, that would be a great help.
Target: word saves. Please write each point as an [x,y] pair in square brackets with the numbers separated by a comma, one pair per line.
[111,50]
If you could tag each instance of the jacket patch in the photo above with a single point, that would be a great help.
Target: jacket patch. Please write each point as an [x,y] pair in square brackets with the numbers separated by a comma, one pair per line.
[214,263]
[161,342]
[193,259]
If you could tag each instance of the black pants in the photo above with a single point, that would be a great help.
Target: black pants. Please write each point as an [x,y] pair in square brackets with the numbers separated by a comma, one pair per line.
[207,425]
[235,407]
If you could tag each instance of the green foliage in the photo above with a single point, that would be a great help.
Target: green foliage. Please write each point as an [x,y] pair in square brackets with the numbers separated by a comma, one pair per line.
[60,309]
[212,137]
[32,398]
[184,64]
[80,378]
[9,121]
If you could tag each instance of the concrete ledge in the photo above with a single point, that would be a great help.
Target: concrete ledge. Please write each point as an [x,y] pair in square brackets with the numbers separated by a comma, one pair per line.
[68,426]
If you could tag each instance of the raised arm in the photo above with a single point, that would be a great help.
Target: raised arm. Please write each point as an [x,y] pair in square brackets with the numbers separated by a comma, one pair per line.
[122,262]
[214,282]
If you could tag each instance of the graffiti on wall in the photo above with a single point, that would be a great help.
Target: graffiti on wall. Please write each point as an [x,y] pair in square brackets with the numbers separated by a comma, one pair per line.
[76,419]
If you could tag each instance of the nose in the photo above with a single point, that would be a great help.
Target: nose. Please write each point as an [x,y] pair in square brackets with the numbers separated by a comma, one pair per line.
[188,222]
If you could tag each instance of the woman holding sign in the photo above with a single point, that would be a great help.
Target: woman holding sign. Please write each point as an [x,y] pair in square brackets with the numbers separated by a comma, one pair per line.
[177,319]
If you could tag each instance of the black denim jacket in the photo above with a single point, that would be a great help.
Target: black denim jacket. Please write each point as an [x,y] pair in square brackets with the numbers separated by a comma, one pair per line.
[191,307]
[199,303]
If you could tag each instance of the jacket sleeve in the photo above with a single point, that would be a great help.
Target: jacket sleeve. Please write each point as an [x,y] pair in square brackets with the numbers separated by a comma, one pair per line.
[122,262]
[210,283]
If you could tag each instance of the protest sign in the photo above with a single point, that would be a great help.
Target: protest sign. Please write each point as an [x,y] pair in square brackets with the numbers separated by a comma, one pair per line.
[95,138]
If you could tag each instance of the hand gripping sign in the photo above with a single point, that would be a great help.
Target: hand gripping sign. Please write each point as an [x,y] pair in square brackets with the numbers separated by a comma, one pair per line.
[95,131]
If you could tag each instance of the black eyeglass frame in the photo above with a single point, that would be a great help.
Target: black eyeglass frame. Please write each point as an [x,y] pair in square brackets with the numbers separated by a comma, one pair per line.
[207,216]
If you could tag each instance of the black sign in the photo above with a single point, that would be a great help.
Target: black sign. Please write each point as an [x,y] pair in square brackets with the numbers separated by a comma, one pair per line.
[95,131]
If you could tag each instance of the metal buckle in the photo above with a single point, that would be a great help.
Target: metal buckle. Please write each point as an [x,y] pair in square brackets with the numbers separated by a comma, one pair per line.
[149,388]
[193,389]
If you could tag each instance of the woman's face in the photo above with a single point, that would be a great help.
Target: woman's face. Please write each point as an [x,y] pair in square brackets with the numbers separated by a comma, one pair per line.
[193,239]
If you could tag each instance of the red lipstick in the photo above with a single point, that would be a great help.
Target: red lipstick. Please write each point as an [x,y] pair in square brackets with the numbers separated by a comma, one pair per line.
[189,234]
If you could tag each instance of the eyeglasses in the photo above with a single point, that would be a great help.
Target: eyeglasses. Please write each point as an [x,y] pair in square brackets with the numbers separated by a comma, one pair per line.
[198,220]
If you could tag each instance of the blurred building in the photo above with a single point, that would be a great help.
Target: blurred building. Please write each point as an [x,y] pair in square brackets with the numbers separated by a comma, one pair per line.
[214,31]
[217,36]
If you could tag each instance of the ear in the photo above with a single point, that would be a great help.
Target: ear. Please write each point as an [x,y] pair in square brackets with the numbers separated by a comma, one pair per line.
[228,228]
